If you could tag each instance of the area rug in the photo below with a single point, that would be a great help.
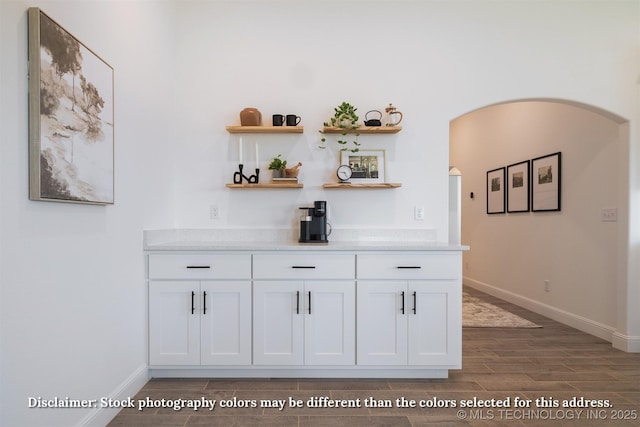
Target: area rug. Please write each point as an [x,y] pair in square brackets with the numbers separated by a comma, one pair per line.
[480,314]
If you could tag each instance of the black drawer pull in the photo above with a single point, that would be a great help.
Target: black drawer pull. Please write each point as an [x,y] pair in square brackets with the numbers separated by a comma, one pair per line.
[198,266]
[303,266]
[409,267]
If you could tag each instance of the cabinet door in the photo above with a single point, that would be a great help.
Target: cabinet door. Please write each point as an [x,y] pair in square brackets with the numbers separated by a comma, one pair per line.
[278,323]
[174,323]
[435,313]
[382,323]
[329,323]
[225,323]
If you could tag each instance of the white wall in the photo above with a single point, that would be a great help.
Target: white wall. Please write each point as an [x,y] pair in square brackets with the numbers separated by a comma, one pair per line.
[73,298]
[293,57]
[184,69]
[573,249]
[434,60]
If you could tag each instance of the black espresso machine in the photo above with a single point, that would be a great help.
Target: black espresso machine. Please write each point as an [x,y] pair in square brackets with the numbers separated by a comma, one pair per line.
[313,223]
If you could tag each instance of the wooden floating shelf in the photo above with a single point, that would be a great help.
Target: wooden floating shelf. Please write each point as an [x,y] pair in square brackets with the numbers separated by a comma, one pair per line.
[268,185]
[360,186]
[364,129]
[265,129]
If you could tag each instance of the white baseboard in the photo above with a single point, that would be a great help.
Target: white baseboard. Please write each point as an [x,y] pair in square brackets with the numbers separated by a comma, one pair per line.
[628,343]
[128,388]
[583,324]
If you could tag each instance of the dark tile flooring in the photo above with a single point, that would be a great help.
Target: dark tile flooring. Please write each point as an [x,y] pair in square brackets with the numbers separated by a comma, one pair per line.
[555,363]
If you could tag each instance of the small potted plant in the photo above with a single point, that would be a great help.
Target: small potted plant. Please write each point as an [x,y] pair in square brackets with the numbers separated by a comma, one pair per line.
[277,166]
[346,119]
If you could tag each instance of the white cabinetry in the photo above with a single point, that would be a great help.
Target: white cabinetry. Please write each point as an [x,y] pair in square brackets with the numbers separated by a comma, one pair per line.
[409,310]
[330,323]
[225,323]
[313,312]
[203,318]
[304,309]
[174,332]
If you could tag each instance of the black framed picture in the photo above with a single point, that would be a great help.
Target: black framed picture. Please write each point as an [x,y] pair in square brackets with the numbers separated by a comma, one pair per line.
[495,191]
[546,180]
[518,187]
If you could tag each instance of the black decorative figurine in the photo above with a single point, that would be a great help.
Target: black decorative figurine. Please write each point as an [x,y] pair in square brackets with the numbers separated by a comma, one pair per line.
[238,177]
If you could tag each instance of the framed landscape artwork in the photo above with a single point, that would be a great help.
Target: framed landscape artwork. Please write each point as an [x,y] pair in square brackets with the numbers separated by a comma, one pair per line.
[495,191]
[546,177]
[71,126]
[518,187]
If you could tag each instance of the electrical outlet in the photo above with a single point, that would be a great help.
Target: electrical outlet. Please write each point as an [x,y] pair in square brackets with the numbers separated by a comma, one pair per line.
[609,215]
[547,286]
[418,213]
[214,212]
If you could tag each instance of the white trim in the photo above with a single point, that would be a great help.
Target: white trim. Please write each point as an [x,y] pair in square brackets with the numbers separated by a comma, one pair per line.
[129,387]
[570,319]
[252,371]
[628,343]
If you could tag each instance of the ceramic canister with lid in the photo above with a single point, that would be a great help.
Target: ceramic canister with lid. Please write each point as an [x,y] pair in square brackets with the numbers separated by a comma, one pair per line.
[250,117]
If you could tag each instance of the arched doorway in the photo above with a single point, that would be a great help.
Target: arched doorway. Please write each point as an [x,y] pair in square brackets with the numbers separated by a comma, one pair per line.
[569,265]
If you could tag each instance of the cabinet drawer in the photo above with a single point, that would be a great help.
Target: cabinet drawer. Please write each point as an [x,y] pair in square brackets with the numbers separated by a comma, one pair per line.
[409,266]
[303,266]
[199,266]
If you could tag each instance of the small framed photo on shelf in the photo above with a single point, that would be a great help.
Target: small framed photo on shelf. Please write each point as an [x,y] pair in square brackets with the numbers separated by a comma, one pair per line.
[368,166]
[495,191]
[518,187]
[546,180]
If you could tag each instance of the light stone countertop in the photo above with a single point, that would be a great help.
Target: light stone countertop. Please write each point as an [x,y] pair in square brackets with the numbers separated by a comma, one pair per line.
[284,240]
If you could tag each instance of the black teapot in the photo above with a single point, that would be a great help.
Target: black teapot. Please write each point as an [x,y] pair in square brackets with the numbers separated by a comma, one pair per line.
[373,122]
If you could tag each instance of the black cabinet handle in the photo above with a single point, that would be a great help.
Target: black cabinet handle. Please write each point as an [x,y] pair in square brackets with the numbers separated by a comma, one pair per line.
[303,266]
[309,302]
[409,267]
[193,295]
[402,308]
[198,266]
[204,302]
[297,302]
[415,298]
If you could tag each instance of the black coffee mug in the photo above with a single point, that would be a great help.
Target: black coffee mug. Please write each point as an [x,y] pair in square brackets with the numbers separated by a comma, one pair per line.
[278,120]
[293,120]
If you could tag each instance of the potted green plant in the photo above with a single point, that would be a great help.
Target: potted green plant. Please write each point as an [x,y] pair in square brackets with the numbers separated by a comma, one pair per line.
[277,166]
[346,119]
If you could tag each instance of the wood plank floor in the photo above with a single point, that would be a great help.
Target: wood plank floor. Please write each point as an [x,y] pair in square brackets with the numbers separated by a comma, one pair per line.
[555,363]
